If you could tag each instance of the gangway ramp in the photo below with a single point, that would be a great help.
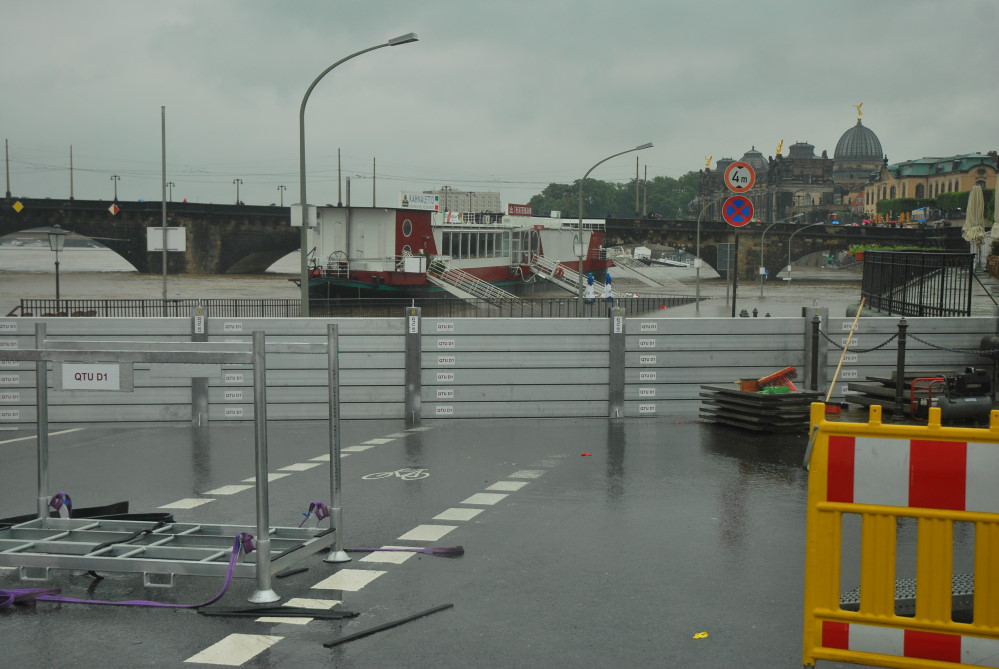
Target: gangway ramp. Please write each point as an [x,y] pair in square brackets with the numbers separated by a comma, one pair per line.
[650,275]
[463,285]
[561,275]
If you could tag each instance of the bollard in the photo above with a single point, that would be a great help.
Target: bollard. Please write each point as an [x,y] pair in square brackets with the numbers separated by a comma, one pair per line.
[898,415]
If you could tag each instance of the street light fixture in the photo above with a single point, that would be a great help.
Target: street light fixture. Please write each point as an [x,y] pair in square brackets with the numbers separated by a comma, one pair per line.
[791,239]
[304,269]
[115,178]
[237,182]
[170,185]
[57,239]
[763,268]
[580,247]
[281,190]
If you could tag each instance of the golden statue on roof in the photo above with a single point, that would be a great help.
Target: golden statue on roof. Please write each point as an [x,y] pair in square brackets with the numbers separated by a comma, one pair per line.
[707,163]
[859,113]
[780,146]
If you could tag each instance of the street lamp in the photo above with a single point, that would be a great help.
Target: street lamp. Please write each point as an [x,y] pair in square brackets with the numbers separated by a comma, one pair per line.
[395,41]
[237,182]
[57,239]
[281,190]
[791,239]
[763,269]
[115,178]
[580,247]
[170,185]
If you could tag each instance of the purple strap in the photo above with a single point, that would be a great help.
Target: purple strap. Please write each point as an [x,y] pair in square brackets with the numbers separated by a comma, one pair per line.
[321,510]
[59,499]
[242,544]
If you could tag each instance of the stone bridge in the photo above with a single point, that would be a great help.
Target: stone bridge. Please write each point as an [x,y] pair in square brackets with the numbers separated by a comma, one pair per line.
[776,254]
[244,239]
[221,239]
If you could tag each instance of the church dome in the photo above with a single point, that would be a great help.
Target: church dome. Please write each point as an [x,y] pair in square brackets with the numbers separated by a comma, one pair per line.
[756,160]
[859,144]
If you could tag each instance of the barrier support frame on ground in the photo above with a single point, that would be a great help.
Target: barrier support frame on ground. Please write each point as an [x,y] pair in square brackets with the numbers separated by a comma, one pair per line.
[936,475]
[198,549]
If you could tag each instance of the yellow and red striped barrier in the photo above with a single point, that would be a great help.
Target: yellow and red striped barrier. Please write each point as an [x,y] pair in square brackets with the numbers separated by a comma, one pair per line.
[936,475]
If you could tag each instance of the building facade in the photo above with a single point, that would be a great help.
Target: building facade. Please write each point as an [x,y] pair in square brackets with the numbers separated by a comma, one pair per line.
[929,178]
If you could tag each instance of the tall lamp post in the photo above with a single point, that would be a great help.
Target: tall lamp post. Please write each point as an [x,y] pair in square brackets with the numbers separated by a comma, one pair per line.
[281,190]
[57,239]
[790,240]
[237,182]
[580,248]
[395,41]
[763,268]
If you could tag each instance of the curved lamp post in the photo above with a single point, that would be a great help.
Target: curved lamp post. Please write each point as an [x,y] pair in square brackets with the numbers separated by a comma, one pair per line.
[395,41]
[57,238]
[697,264]
[762,266]
[580,251]
[791,239]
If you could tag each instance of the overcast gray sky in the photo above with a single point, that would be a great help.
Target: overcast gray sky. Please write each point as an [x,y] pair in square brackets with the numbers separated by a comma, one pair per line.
[505,96]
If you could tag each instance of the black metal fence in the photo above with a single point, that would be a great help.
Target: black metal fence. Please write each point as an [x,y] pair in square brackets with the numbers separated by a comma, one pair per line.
[444,307]
[916,283]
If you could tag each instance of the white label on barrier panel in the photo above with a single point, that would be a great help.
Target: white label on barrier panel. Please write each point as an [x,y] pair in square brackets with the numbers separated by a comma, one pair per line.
[646,408]
[199,325]
[8,326]
[647,376]
[444,411]
[850,358]
[445,327]
[9,364]
[618,325]
[9,379]
[844,390]
[233,412]
[847,341]
[91,376]
[445,360]
[445,394]
[646,343]
[646,392]
[647,359]
[8,343]
[445,377]
[848,374]
[650,326]
[232,394]
[232,326]
[445,343]
[9,396]
[10,414]
[233,377]
[414,324]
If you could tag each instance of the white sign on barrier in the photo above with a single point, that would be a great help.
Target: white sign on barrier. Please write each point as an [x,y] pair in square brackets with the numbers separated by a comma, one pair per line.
[9,379]
[94,376]
[9,396]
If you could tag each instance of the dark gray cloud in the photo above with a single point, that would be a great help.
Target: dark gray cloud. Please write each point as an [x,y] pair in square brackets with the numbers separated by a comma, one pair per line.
[495,96]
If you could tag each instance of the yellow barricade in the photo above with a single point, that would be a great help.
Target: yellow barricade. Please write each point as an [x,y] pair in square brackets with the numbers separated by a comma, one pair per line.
[883,474]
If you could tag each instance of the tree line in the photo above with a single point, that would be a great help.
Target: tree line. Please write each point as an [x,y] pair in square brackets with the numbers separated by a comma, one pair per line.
[661,196]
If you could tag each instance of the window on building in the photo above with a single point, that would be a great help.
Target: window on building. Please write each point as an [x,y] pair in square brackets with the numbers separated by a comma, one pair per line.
[920,191]
[892,193]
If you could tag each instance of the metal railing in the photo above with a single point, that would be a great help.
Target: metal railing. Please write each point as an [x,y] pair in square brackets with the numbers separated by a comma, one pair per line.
[916,283]
[560,307]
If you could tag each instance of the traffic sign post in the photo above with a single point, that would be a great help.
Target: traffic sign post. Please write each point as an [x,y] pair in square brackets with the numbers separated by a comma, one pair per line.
[737,210]
[740,177]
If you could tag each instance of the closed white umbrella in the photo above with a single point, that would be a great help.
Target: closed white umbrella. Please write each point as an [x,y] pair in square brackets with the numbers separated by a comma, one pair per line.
[974,223]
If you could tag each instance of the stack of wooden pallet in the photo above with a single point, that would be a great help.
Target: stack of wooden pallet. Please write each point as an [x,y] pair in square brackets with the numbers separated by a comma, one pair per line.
[759,411]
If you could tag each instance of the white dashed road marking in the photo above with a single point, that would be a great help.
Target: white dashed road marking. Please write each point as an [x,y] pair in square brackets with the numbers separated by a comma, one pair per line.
[273,476]
[376,442]
[188,503]
[355,449]
[348,579]
[32,437]
[456,513]
[507,486]
[527,474]
[235,649]
[299,467]
[303,603]
[427,532]
[389,557]
[484,498]
[229,489]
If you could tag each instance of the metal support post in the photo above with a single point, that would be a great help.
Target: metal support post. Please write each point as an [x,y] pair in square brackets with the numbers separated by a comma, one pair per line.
[264,593]
[898,415]
[813,370]
[199,385]
[414,385]
[615,391]
[42,407]
[337,552]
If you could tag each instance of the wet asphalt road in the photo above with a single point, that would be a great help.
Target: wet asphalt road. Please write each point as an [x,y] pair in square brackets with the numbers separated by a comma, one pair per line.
[670,527]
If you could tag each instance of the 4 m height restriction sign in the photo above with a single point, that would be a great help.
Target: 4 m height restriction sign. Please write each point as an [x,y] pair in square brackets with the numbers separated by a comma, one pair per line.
[740,177]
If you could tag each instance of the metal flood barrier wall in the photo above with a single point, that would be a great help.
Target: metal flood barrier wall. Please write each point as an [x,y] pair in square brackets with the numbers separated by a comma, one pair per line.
[902,498]
[619,365]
